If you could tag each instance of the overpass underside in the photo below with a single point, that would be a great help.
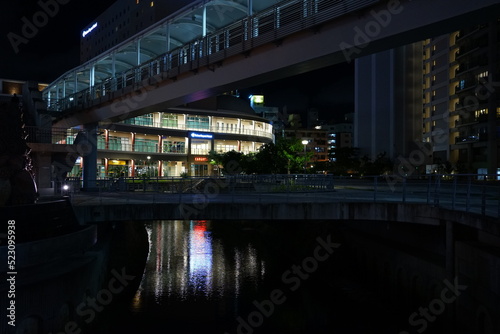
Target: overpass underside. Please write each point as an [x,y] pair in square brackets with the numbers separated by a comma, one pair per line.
[299,36]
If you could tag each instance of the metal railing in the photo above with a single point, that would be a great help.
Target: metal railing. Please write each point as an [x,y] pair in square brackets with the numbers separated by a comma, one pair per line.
[475,193]
[213,128]
[272,24]
[50,135]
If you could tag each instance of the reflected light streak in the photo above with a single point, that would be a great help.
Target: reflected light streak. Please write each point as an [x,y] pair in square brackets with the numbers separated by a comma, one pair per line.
[200,257]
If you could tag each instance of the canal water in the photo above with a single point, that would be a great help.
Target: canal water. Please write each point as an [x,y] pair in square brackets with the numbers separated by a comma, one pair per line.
[242,277]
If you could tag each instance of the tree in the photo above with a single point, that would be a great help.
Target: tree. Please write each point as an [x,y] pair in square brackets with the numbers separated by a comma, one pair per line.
[291,150]
[231,162]
[346,160]
[379,166]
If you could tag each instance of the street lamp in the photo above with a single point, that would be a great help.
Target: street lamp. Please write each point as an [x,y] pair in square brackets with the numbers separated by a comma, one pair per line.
[149,165]
[305,142]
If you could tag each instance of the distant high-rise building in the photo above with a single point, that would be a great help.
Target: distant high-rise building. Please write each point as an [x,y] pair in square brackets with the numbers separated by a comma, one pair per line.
[122,20]
[454,117]
[461,105]
[388,99]
[340,135]
[316,142]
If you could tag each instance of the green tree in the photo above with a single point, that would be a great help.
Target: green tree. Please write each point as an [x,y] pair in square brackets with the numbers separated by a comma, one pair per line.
[292,151]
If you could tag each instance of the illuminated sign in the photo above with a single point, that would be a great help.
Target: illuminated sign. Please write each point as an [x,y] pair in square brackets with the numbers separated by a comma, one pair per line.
[202,135]
[117,163]
[86,32]
[200,159]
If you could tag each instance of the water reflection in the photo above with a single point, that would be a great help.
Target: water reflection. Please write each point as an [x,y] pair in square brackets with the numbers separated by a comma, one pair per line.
[189,265]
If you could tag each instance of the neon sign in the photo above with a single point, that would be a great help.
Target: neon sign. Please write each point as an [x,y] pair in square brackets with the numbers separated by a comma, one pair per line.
[200,159]
[202,135]
[89,30]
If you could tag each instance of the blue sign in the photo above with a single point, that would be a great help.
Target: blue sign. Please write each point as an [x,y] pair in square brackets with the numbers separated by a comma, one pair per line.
[202,135]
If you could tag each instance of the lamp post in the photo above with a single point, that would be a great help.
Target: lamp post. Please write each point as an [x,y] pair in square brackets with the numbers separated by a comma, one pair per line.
[305,142]
[149,165]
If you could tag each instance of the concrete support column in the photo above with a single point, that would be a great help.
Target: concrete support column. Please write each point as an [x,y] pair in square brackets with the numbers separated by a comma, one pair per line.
[450,250]
[106,139]
[450,272]
[106,166]
[43,173]
[90,159]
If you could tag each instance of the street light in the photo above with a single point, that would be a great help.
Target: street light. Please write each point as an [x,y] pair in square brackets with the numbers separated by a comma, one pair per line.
[305,142]
[149,165]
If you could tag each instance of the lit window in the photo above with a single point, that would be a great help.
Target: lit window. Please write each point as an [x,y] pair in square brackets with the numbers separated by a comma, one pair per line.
[482,75]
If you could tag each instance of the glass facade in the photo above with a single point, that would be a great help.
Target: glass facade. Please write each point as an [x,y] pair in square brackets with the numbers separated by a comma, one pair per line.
[198,122]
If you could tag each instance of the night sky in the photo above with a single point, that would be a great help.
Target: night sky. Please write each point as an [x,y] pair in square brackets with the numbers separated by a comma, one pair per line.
[54,49]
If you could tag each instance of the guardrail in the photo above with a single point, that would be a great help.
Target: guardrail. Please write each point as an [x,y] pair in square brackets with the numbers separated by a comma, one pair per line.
[476,193]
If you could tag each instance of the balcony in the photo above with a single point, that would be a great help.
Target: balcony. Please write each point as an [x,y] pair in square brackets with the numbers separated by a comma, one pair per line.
[204,128]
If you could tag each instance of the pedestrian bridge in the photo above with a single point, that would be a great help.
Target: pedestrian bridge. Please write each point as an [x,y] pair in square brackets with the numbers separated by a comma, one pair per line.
[216,46]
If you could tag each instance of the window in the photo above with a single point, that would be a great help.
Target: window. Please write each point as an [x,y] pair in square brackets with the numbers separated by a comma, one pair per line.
[482,75]
[146,145]
[197,122]
[145,120]
[169,120]
[118,143]
[223,148]
[174,146]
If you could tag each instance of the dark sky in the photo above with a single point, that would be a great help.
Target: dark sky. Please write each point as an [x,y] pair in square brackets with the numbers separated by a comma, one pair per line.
[54,49]
[330,90]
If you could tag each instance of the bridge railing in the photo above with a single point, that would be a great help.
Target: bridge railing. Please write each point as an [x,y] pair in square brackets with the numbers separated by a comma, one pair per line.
[270,25]
[477,193]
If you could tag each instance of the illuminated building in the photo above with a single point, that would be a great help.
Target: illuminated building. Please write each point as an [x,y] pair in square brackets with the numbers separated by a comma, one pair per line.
[461,108]
[121,20]
[317,142]
[10,87]
[178,140]
[433,102]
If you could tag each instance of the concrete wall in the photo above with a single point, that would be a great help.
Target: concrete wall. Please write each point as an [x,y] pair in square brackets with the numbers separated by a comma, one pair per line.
[412,213]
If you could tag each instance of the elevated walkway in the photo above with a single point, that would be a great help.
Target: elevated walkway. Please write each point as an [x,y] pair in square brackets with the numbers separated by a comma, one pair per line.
[281,40]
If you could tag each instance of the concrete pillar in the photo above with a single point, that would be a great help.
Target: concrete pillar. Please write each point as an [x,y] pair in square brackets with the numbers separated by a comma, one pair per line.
[450,271]
[90,159]
[43,173]
[450,250]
